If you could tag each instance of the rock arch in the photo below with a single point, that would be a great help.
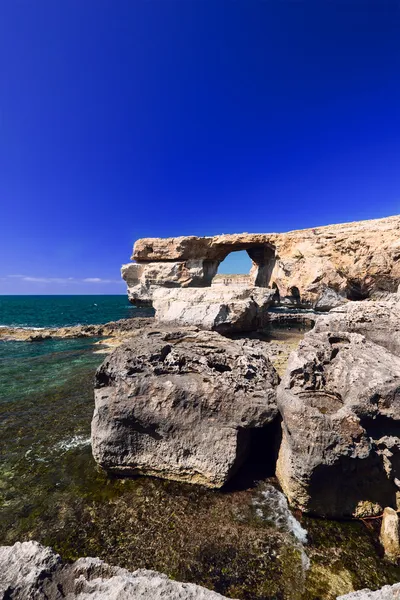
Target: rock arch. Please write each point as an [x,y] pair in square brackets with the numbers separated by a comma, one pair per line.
[192,262]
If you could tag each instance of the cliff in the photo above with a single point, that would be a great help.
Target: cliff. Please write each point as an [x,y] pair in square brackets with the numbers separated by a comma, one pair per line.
[354,260]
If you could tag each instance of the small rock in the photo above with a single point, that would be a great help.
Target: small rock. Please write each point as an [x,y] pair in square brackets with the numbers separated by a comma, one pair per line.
[389,536]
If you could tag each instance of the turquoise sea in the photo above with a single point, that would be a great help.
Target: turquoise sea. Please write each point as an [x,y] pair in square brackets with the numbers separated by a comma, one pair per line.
[52,491]
[60,311]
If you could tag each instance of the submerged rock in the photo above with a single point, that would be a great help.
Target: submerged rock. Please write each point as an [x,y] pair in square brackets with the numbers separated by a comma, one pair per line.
[29,570]
[340,404]
[181,404]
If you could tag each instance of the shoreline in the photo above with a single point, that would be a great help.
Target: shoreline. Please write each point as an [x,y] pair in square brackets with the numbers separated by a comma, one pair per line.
[113,329]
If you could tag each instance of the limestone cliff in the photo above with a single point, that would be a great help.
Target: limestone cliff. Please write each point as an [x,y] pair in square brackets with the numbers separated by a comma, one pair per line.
[354,260]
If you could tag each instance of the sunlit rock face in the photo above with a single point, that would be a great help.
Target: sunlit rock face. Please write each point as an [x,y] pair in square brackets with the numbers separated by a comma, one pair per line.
[378,321]
[227,309]
[388,592]
[30,571]
[323,266]
[181,404]
[340,404]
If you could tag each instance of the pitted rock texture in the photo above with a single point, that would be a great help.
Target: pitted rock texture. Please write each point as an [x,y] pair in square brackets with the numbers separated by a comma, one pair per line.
[30,571]
[378,321]
[354,260]
[388,592]
[340,404]
[143,279]
[181,404]
[226,309]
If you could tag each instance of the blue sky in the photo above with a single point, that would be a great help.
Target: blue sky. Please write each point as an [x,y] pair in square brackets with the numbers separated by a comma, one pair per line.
[134,118]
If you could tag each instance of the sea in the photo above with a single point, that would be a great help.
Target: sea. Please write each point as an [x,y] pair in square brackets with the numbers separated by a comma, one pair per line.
[62,311]
[242,542]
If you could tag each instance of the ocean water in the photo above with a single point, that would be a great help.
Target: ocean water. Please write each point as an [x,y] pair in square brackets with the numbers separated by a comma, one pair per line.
[61,311]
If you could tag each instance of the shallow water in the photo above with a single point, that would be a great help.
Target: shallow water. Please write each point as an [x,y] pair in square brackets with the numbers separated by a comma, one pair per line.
[241,543]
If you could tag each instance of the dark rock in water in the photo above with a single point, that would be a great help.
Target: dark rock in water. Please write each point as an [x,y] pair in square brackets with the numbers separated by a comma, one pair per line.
[181,404]
[340,404]
[30,571]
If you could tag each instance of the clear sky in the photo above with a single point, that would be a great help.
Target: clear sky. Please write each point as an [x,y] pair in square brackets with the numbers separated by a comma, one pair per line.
[121,119]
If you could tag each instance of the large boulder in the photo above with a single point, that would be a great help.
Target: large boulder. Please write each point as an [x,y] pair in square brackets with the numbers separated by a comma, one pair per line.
[340,404]
[30,571]
[229,309]
[378,321]
[181,404]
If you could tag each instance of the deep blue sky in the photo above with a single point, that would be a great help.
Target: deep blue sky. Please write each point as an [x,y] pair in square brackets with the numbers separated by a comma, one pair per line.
[129,118]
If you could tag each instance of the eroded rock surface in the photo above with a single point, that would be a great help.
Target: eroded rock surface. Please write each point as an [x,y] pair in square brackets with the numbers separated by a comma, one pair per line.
[340,404]
[181,404]
[326,264]
[30,571]
[378,321]
[223,309]
[388,592]
[114,329]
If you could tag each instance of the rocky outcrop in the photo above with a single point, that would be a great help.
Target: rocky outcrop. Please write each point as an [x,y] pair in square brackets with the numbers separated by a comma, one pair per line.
[181,404]
[326,264]
[31,571]
[143,279]
[226,309]
[378,321]
[388,592]
[340,404]
[114,329]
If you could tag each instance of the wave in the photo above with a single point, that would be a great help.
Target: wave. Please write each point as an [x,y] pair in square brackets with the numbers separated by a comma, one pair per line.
[23,327]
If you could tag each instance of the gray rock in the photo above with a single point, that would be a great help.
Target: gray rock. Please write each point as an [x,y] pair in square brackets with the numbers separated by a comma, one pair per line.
[228,309]
[25,570]
[29,571]
[377,321]
[180,404]
[388,592]
[340,404]
[329,299]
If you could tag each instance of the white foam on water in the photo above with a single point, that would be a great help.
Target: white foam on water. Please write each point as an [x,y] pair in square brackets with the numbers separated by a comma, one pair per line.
[21,327]
[271,505]
[77,441]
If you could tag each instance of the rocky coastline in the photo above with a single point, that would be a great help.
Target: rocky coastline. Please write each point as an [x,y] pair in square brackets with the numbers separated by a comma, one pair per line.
[198,393]
[114,329]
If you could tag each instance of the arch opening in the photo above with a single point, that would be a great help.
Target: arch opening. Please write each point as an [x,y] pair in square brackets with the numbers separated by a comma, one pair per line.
[251,266]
